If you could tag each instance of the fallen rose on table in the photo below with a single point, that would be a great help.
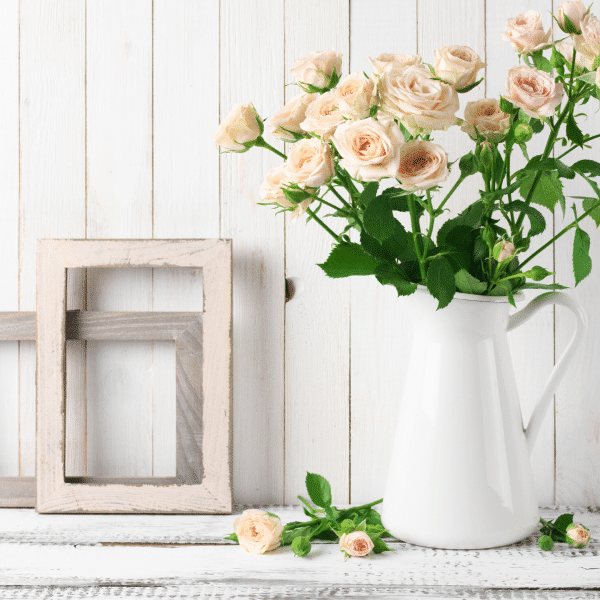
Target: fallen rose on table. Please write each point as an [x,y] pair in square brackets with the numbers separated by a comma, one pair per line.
[563,530]
[359,529]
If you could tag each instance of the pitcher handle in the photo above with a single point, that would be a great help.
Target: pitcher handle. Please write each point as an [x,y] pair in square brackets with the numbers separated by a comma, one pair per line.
[523,315]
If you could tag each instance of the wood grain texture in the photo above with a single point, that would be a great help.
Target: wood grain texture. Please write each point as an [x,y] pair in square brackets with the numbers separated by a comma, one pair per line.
[577,407]
[380,327]
[52,138]
[532,344]
[185,178]
[259,251]
[119,205]
[317,420]
[9,232]
[54,494]
[17,492]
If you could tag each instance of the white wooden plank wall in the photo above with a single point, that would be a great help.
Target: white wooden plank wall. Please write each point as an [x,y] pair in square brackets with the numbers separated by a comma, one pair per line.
[107,113]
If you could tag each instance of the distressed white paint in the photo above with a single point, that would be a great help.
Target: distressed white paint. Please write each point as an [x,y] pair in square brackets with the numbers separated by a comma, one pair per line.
[75,557]
[150,79]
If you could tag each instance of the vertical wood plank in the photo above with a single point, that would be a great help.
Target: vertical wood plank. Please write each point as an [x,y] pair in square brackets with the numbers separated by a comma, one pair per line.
[252,36]
[119,192]
[577,406]
[380,328]
[317,321]
[9,232]
[52,113]
[186,177]
[532,345]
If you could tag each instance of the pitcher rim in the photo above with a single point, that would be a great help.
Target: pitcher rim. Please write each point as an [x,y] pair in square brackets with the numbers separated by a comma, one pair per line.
[478,298]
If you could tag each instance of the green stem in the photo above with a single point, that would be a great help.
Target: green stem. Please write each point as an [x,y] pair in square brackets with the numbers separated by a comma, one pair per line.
[260,142]
[449,194]
[430,228]
[327,229]
[348,206]
[416,231]
[576,147]
[561,233]
[546,153]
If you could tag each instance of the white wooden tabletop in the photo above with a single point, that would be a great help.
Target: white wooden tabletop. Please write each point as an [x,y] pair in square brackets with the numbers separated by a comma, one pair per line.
[155,556]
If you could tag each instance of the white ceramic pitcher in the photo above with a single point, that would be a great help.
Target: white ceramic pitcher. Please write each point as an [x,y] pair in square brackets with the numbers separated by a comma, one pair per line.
[460,473]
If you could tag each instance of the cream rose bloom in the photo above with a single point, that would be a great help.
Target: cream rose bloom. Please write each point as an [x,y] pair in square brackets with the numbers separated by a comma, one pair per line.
[423,165]
[526,32]
[357,543]
[598,77]
[457,65]
[578,535]
[316,68]
[581,61]
[385,62]
[239,127]
[418,101]
[588,43]
[534,91]
[485,116]
[323,115]
[257,531]
[356,95]
[506,251]
[271,190]
[290,116]
[575,11]
[310,163]
[369,148]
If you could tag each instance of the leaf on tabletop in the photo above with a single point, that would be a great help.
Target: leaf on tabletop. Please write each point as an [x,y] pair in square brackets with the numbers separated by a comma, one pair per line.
[318,489]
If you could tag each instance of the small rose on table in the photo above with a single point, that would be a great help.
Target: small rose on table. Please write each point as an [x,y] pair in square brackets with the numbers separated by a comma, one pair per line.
[578,536]
[357,543]
[258,531]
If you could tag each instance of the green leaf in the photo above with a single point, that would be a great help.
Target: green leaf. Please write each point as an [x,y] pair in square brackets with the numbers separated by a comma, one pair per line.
[373,248]
[233,537]
[582,263]
[587,166]
[348,259]
[536,219]
[380,546]
[563,522]
[536,125]
[318,489]
[595,214]
[369,192]
[398,243]
[362,526]
[550,164]
[440,281]
[543,286]
[288,536]
[506,106]
[537,273]
[547,192]
[468,88]
[569,26]
[378,219]
[541,62]
[387,274]
[301,546]
[466,283]
[295,195]
[574,134]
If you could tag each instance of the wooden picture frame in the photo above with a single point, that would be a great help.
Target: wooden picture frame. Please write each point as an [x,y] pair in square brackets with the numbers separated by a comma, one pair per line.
[204,378]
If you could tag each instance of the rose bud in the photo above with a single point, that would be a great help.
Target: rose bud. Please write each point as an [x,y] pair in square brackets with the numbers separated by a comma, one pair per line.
[574,11]
[523,133]
[258,531]
[503,250]
[457,65]
[317,68]
[578,536]
[546,542]
[240,129]
[357,543]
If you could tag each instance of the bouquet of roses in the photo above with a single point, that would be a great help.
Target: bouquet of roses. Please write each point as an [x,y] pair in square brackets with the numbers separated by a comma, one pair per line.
[351,136]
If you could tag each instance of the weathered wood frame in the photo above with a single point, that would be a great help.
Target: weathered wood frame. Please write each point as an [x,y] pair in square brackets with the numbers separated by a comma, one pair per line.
[185,493]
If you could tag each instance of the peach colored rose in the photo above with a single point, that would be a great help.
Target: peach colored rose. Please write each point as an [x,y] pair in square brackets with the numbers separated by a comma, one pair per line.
[457,65]
[323,115]
[598,77]
[581,61]
[316,68]
[575,11]
[526,32]
[240,126]
[534,91]
[257,531]
[578,535]
[423,165]
[506,250]
[385,62]
[485,116]
[356,95]
[357,543]
[588,43]
[310,163]
[369,148]
[418,101]
[271,190]
[290,116]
